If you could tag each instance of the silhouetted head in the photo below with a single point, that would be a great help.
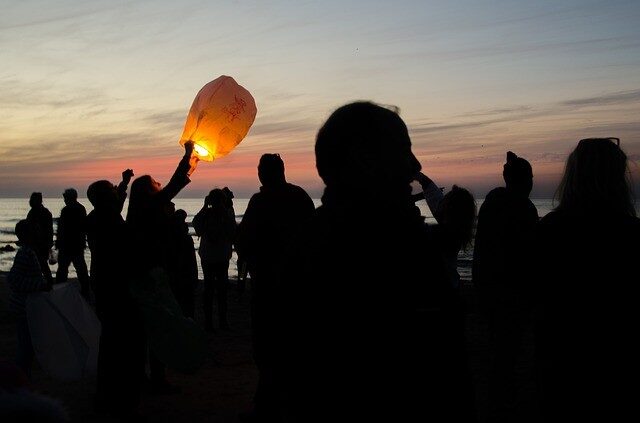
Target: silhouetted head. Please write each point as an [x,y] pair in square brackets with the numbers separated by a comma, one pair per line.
[229,193]
[70,196]
[458,211]
[518,175]
[217,198]
[596,178]
[102,195]
[25,233]
[364,146]
[180,215]
[36,199]
[271,169]
[180,220]
[143,187]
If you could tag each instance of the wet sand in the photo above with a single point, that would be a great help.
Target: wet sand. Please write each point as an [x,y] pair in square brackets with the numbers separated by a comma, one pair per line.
[224,386]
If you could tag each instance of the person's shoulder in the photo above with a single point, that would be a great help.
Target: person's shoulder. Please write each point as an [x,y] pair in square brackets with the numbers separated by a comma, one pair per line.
[256,196]
[25,253]
[304,197]
[495,195]
[497,192]
[493,198]
[552,217]
[297,189]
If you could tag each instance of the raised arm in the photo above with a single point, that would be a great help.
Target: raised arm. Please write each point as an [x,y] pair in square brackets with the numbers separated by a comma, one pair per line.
[431,193]
[122,187]
[180,178]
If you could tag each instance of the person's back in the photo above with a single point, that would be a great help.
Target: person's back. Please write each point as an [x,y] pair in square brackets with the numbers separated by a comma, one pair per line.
[109,241]
[272,218]
[71,227]
[71,240]
[216,226]
[504,237]
[366,311]
[121,347]
[41,220]
[585,320]
[505,233]
[502,274]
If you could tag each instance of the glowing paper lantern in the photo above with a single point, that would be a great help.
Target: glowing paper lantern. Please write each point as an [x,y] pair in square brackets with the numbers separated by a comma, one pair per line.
[220,117]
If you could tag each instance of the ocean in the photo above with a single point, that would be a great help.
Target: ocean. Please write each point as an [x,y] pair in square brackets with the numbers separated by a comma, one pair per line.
[14,209]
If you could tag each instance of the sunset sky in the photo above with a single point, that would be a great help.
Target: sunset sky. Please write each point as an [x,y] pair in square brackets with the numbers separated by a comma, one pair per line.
[89,88]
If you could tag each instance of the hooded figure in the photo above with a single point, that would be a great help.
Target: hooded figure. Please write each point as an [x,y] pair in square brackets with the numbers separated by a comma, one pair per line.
[502,269]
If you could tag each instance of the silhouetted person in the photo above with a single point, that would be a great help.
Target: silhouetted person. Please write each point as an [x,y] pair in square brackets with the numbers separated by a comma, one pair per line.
[241,264]
[71,240]
[585,334]
[361,338]
[149,218]
[183,267]
[216,226]
[24,278]
[502,272]
[121,345]
[229,201]
[455,213]
[272,218]
[42,223]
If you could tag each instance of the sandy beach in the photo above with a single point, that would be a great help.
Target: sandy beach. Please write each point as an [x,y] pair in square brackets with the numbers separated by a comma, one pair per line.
[224,386]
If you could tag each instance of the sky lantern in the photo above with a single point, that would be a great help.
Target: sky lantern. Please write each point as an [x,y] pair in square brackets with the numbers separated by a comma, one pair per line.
[220,117]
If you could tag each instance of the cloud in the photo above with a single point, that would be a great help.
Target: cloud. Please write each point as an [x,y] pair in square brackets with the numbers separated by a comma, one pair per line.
[34,20]
[170,119]
[621,97]
[502,111]
[21,93]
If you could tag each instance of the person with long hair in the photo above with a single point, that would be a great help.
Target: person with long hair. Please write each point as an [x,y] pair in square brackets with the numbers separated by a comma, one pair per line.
[149,218]
[585,320]
[216,226]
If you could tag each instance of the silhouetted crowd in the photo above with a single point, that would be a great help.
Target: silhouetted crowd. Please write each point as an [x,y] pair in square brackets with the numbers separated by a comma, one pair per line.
[356,309]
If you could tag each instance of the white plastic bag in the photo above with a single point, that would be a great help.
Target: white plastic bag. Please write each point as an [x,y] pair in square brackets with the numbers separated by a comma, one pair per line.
[65,332]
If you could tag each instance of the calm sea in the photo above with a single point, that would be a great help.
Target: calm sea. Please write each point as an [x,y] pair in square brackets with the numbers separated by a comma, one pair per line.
[14,209]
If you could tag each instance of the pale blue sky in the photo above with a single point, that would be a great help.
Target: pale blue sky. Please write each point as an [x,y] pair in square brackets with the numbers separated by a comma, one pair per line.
[110,82]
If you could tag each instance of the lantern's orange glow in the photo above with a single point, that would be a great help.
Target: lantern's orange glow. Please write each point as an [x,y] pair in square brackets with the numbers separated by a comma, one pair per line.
[220,117]
[200,150]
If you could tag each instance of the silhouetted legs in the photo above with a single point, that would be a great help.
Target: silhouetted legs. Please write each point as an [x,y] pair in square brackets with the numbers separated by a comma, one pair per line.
[216,281]
[242,277]
[43,260]
[508,319]
[120,357]
[77,259]
[266,399]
